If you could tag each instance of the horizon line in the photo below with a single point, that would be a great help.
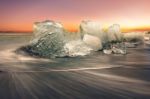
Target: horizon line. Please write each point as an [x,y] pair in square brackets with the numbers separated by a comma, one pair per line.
[123,29]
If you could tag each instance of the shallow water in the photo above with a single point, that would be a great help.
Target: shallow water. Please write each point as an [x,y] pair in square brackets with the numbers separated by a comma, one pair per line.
[96,76]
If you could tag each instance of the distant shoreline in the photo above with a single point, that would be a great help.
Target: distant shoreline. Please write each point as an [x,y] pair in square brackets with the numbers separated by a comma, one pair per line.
[15,33]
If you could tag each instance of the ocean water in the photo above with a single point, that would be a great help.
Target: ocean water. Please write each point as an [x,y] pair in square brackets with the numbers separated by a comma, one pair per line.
[96,76]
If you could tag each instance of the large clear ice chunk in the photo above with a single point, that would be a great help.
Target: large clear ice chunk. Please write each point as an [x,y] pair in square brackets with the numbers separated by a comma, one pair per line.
[77,48]
[48,39]
[92,34]
[93,42]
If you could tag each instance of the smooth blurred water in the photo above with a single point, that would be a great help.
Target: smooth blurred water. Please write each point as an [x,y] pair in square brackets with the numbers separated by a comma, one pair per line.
[96,76]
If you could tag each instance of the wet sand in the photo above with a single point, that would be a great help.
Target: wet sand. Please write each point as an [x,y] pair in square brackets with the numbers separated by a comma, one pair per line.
[97,76]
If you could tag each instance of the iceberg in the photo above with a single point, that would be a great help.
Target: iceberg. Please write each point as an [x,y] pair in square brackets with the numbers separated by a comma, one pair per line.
[107,51]
[48,39]
[91,28]
[116,48]
[93,42]
[118,51]
[134,37]
[92,34]
[77,48]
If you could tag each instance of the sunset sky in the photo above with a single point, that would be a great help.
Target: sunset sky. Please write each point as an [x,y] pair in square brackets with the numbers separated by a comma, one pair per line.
[19,15]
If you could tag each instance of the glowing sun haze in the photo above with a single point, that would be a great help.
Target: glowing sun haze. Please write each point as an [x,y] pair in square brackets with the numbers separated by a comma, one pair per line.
[19,15]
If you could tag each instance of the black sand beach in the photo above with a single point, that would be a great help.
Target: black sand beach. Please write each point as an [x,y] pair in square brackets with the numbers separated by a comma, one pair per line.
[97,76]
